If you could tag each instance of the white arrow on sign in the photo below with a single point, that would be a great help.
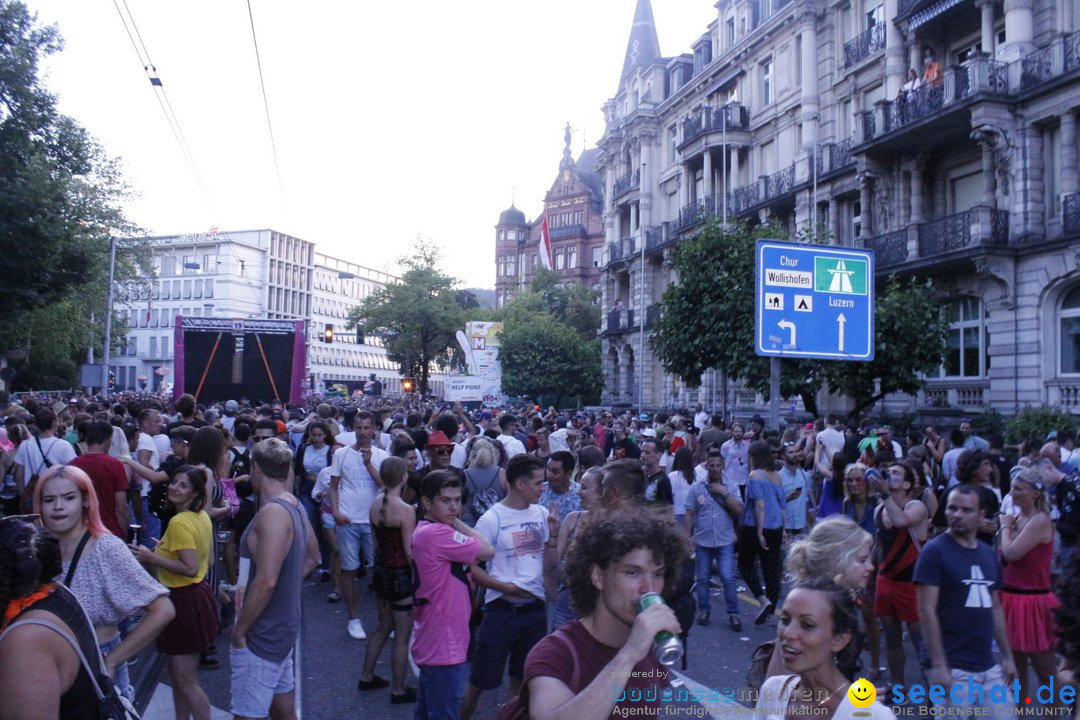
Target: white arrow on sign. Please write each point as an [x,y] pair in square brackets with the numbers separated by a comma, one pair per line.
[788,325]
[840,320]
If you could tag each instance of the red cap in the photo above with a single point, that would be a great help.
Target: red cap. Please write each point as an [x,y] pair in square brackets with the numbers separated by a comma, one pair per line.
[439,438]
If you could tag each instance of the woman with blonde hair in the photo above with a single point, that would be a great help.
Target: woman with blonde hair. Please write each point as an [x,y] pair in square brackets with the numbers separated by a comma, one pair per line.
[838,549]
[1027,599]
[485,480]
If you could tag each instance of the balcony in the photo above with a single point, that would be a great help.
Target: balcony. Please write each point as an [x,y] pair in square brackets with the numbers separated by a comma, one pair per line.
[728,118]
[957,393]
[1064,393]
[890,248]
[980,227]
[835,156]
[620,251]
[694,213]
[932,107]
[1044,65]
[743,198]
[1070,214]
[626,183]
[780,183]
[870,42]
[659,237]
[566,231]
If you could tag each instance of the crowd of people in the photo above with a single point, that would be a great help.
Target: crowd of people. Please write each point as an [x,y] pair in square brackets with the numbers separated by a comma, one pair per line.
[514,547]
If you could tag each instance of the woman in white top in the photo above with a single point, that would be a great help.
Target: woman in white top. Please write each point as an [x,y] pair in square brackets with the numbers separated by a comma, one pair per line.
[107,580]
[816,640]
[681,477]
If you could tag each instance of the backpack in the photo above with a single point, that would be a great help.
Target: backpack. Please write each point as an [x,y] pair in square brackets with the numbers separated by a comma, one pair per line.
[1068,501]
[480,500]
[241,465]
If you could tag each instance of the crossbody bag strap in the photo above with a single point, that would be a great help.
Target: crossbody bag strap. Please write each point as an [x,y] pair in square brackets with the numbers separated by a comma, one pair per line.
[71,641]
[75,559]
[44,457]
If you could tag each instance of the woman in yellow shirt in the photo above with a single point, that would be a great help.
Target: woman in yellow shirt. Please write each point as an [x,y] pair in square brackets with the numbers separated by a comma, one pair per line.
[182,558]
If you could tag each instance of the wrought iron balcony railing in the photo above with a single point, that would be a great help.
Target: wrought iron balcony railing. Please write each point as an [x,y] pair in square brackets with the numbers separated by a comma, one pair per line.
[864,45]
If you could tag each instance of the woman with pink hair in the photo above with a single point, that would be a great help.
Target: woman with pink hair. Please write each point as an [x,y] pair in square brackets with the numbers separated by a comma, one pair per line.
[100,570]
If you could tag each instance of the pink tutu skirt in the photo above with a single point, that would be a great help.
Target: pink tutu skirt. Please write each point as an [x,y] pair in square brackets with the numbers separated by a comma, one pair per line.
[1029,621]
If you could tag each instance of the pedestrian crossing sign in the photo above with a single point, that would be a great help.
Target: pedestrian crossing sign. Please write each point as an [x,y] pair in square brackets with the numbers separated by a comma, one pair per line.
[844,276]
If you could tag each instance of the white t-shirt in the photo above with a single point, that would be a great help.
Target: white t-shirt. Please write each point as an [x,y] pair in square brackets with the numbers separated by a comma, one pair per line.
[58,451]
[458,457]
[701,421]
[357,489]
[518,537]
[163,445]
[680,488]
[832,440]
[513,446]
[146,442]
[558,441]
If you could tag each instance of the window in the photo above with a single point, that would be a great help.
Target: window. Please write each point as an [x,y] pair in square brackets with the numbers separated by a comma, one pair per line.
[560,258]
[208,288]
[672,144]
[767,82]
[597,256]
[133,318]
[1069,333]
[571,257]
[730,27]
[197,289]
[1051,170]
[856,220]
[175,290]
[187,289]
[132,345]
[168,266]
[153,346]
[965,344]
[875,16]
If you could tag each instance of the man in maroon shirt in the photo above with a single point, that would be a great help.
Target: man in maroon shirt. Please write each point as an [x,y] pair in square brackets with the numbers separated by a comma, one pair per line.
[602,666]
[108,476]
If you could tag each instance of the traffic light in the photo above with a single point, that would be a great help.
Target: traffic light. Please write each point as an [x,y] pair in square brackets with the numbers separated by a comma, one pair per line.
[328,333]
[408,384]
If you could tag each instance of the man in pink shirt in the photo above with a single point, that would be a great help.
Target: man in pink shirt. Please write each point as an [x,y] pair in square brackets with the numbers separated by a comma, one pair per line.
[442,548]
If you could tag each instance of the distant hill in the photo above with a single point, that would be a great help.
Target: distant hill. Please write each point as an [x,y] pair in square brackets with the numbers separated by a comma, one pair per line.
[484,296]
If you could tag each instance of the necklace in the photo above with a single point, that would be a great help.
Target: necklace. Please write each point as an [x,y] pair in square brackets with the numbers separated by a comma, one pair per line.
[827,697]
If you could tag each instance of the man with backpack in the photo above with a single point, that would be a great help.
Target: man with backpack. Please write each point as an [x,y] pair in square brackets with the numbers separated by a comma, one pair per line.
[39,454]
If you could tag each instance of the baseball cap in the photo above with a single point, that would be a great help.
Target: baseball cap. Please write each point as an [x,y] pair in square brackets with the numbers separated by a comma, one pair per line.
[231,406]
[644,417]
[485,415]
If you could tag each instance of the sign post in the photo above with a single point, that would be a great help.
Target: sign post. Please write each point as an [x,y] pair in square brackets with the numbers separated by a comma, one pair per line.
[812,301]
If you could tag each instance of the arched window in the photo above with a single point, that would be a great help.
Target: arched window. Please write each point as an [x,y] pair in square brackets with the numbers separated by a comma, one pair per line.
[966,344]
[1069,333]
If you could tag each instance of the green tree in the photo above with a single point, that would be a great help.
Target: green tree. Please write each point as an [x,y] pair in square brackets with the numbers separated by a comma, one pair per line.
[706,320]
[60,200]
[417,317]
[549,350]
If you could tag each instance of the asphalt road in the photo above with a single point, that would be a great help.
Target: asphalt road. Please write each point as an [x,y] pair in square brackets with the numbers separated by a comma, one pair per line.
[330,660]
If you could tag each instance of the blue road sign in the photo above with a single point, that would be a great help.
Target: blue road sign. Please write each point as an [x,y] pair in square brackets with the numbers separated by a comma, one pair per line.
[814,301]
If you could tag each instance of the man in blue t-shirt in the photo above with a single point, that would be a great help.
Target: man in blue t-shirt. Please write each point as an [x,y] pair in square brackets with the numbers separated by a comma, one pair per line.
[958,578]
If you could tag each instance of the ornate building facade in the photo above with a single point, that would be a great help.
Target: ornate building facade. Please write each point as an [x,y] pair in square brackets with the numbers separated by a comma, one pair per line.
[573,207]
[801,112]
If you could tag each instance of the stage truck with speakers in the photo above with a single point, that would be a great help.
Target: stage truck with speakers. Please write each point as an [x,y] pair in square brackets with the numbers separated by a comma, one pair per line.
[228,358]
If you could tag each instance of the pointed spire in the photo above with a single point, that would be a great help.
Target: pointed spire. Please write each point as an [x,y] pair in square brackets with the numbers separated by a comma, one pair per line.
[643,46]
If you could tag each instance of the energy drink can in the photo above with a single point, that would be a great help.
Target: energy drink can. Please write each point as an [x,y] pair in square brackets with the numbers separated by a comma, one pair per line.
[667,649]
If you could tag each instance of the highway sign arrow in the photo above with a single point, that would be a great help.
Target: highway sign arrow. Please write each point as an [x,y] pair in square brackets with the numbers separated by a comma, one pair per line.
[788,325]
[840,320]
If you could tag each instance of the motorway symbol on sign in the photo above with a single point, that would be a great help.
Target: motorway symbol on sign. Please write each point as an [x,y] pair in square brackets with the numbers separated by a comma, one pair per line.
[814,301]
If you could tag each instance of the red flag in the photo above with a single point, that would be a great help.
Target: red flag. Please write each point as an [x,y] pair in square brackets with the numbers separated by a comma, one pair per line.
[545,243]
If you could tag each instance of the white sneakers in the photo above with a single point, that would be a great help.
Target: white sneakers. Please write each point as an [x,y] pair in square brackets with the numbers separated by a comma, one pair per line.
[356,630]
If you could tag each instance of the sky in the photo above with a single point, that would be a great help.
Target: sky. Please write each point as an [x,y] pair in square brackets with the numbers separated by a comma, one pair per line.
[392,120]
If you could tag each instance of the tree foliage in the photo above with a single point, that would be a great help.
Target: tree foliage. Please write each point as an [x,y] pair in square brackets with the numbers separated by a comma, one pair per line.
[706,320]
[549,349]
[416,318]
[1035,423]
[60,200]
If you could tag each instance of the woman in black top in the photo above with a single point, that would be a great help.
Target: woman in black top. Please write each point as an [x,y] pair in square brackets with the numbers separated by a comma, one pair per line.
[40,673]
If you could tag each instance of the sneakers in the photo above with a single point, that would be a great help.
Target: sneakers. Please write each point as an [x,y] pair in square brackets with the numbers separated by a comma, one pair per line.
[356,630]
[333,597]
[703,617]
[734,622]
[766,610]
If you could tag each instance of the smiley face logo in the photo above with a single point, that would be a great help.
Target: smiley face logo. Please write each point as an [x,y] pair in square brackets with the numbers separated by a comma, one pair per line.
[862,693]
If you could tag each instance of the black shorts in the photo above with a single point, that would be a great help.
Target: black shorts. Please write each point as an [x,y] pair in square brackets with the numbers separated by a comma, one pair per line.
[394,585]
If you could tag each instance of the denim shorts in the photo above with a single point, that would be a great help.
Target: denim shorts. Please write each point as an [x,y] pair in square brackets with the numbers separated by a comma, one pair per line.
[255,682]
[351,539]
[123,677]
